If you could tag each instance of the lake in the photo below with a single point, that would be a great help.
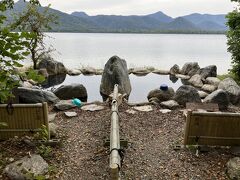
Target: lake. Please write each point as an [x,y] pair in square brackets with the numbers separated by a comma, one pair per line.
[161,51]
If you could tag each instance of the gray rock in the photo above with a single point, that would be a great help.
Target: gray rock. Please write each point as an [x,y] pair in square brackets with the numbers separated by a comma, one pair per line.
[88,71]
[51,117]
[233,168]
[175,70]
[171,104]
[70,114]
[186,94]
[209,71]
[161,95]
[196,80]
[146,108]
[71,91]
[53,129]
[43,72]
[181,76]
[64,105]
[209,87]
[165,111]
[190,68]
[27,84]
[115,72]
[141,71]
[232,89]
[28,95]
[53,67]
[161,72]
[220,97]
[74,72]
[213,81]
[202,94]
[92,107]
[35,165]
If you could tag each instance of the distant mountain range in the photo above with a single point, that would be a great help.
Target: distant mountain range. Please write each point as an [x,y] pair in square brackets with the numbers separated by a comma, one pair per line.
[153,23]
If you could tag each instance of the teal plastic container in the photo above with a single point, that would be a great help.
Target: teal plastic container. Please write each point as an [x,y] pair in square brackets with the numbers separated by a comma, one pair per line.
[77,102]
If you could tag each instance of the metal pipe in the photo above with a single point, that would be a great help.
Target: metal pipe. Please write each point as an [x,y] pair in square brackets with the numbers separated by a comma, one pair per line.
[115,159]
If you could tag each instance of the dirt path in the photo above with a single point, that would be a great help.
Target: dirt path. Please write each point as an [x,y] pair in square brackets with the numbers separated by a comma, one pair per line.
[149,156]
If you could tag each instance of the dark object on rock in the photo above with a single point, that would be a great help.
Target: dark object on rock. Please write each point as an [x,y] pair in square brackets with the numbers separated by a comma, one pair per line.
[220,97]
[34,165]
[190,68]
[164,87]
[53,67]
[209,71]
[232,89]
[71,91]
[28,95]
[115,72]
[161,95]
[54,80]
[175,70]
[233,168]
[186,94]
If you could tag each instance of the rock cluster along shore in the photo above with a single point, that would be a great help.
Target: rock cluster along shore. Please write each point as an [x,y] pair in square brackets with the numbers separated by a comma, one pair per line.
[199,84]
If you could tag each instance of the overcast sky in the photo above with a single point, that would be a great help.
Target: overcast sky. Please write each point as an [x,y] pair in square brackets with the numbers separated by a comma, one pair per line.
[141,7]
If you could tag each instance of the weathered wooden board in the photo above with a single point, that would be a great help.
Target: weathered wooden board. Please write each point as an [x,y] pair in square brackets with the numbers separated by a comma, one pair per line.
[22,119]
[212,128]
[212,107]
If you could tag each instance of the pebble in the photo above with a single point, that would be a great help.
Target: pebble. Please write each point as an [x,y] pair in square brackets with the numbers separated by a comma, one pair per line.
[70,114]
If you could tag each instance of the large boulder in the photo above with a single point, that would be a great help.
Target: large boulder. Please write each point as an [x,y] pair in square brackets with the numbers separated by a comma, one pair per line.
[64,105]
[161,95]
[71,91]
[53,67]
[115,72]
[232,89]
[196,81]
[219,97]
[209,87]
[53,80]
[186,94]
[170,104]
[34,165]
[233,168]
[213,81]
[209,71]
[190,68]
[175,70]
[28,95]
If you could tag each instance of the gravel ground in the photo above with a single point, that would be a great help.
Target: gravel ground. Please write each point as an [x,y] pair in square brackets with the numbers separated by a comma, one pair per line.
[150,154]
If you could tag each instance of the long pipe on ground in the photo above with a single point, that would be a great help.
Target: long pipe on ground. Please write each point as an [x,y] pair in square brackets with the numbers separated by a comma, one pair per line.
[115,159]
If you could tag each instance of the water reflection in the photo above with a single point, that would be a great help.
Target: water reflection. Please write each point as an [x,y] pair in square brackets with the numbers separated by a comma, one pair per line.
[141,86]
[54,80]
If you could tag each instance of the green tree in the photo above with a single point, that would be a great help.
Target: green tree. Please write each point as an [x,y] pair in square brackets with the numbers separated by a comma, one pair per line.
[35,21]
[12,51]
[233,35]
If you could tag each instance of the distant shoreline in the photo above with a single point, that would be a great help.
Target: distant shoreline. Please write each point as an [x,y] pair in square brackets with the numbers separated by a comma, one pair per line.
[204,33]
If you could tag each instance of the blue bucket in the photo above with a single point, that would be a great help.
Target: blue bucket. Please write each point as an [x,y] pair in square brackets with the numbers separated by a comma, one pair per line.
[77,102]
[164,87]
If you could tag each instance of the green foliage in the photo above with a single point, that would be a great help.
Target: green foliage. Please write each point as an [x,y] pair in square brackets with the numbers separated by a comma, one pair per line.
[45,151]
[43,134]
[12,51]
[233,35]
[33,74]
[33,22]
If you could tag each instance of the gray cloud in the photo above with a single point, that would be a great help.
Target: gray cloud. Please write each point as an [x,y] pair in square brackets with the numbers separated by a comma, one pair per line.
[139,7]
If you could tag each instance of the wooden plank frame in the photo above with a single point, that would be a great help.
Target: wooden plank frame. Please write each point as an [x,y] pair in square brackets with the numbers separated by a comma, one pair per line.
[212,128]
[23,120]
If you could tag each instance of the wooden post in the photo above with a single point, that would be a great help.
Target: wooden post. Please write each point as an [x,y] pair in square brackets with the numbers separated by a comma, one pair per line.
[115,159]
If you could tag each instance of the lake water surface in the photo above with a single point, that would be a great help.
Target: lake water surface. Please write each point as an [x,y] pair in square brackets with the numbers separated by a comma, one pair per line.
[158,50]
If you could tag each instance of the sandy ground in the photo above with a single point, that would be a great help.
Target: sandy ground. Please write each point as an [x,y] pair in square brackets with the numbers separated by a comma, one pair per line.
[150,154]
